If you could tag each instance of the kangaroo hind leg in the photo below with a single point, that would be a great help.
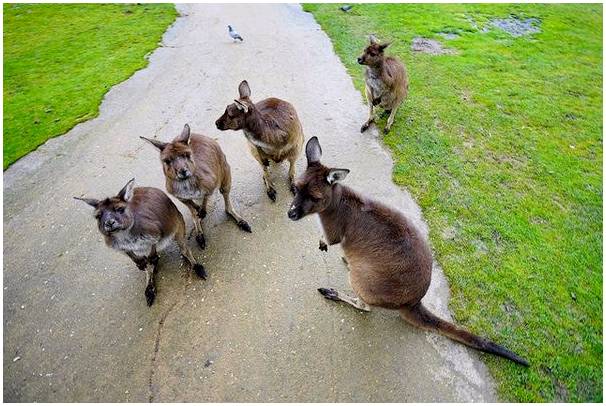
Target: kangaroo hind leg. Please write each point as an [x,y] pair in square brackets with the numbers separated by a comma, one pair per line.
[332,294]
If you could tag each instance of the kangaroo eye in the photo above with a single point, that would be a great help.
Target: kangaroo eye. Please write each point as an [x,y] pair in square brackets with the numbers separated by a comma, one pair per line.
[167,161]
[187,155]
[120,210]
[315,199]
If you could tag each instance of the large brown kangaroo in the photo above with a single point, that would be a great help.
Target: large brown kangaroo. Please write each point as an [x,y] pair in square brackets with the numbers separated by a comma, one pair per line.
[389,261]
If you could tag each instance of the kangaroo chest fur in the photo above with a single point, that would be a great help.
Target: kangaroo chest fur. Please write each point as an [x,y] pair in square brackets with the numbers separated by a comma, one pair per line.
[188,190]
[140,245]
[375,84]
[265,147]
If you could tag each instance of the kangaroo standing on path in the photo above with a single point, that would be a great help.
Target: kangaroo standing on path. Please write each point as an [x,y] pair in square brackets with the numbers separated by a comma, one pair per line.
[389,261]
[272,128]
[141,222]
[194,166]
[386,82]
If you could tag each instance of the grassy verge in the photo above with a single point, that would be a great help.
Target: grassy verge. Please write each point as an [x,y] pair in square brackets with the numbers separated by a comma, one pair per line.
[501,145]
[59,61]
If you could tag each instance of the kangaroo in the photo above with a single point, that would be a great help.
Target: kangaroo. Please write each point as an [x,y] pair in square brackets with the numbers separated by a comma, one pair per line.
[386,82]
[389,261]
[272,129]
[194,166]
[141,222]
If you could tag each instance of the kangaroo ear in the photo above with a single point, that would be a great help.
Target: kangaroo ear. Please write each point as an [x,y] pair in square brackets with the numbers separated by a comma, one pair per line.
[385,45]
[244,89]
[184,137]
[158,144]
[127,191]
[313,151]
[90,202]
[336,175]
[372,39]
[241,106]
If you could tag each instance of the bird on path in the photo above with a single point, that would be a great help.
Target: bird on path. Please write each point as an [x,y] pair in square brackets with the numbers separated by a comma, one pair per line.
[234,34]
[346,8]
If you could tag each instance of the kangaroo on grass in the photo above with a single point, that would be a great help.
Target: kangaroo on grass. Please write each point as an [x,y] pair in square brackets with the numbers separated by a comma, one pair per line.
[386,82]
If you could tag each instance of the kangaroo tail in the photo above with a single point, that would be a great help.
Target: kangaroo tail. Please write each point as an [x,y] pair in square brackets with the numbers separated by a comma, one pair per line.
[419,316]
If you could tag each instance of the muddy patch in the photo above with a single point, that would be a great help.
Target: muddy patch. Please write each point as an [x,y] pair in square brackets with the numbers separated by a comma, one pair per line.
[517,27]
[430,46]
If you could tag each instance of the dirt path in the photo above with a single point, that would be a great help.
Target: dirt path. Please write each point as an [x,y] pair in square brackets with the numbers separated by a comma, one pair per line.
[256,330]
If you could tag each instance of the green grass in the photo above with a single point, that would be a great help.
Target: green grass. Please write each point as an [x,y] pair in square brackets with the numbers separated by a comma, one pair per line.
[59,61]
[501,145]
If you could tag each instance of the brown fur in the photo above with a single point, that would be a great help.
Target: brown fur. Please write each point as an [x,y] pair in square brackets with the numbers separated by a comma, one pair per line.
[140,222]
[153,213]
[194,167]
[272,128]
[390,262]
[386,82]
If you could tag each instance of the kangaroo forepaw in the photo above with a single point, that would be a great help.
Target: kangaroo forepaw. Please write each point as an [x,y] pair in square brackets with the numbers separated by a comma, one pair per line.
[141,264]
[329,293]
[199,270]
[201,241]
[201,213]
[386,130]
[244,226]
[364,127]
[150,294]
[154,259]
[323,246]
[271,193]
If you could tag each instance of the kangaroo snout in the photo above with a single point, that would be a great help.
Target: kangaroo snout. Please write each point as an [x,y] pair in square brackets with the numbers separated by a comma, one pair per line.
[360,60]
[294,213]
[183,173]
[109,224]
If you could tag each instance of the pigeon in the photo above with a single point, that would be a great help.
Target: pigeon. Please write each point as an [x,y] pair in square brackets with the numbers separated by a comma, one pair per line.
[346,8]
[234,34]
